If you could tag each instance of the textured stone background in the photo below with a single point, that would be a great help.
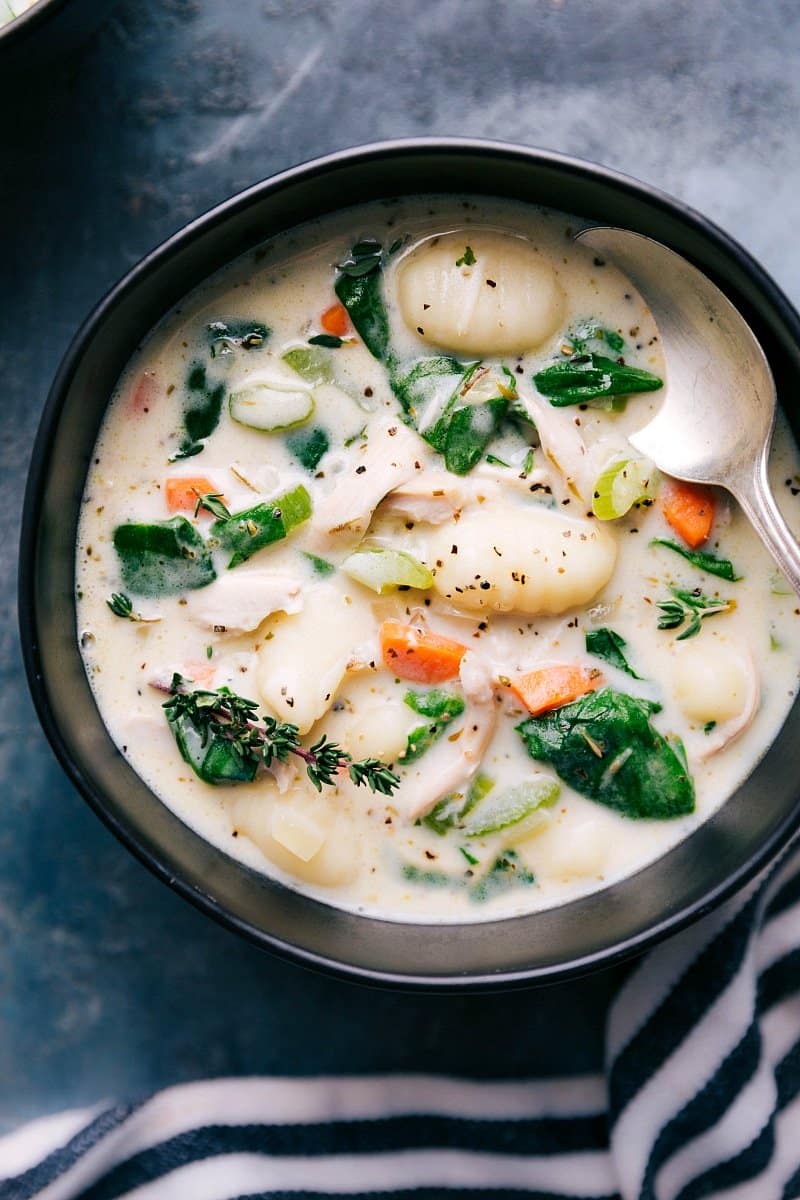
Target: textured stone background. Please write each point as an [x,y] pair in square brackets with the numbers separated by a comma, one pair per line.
[109,984]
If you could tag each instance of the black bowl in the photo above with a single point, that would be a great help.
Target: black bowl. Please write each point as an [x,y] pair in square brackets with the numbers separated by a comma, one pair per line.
[49,30]
[587,933]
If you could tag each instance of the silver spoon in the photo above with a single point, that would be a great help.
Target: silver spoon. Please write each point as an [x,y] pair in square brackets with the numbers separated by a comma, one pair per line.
[715,425]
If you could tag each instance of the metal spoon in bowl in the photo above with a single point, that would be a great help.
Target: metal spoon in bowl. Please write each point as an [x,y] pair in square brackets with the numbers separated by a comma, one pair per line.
[715,425]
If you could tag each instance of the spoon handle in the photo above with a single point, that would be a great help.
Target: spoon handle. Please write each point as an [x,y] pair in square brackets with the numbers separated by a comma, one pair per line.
[758,502]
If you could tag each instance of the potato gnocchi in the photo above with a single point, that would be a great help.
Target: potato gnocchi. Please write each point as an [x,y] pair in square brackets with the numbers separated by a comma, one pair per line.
[367,585]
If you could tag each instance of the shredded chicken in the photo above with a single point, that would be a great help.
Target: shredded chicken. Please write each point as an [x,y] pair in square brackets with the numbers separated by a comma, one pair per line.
[562,443]
[391,456]
[449,765]
[432,498]
[239,602]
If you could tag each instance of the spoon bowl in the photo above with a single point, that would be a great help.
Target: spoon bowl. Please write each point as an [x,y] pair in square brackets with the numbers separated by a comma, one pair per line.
[715,424]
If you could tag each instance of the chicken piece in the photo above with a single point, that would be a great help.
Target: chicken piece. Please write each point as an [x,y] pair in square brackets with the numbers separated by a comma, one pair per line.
[239,602]
[450,763]
[391,456]
[562,443]
[432,498]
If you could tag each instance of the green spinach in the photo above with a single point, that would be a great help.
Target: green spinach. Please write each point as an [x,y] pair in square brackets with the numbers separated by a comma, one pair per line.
[162,557]
[441,708]
[585,377]
[605,747]
[722,567]
[308,446]
[608,645]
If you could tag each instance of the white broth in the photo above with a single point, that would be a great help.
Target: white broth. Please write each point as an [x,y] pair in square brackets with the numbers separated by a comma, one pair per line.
[425,545]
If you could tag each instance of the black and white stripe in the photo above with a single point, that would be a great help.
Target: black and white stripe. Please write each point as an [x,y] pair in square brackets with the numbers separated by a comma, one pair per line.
[701,1098]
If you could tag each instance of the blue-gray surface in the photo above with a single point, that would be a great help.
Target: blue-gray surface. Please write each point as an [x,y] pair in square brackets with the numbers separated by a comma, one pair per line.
[109,984]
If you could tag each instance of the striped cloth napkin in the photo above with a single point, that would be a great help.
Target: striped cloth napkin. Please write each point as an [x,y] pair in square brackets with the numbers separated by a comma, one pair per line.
[700,1098]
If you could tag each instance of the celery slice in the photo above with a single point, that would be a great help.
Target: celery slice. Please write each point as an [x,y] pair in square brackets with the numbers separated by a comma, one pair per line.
[511,808]
[383,569]
[622,484]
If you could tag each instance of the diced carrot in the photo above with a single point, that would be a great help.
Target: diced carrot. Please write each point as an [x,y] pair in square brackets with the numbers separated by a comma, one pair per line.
[144,393]
[413,653]
[551,687]
[689,509]
[334,320]
[200,672]
[182,492]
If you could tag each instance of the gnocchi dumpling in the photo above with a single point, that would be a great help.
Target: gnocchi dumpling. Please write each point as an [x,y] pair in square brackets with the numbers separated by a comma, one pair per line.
[304,657]
[712,679]
[527,560]
[480,292]
[303,833]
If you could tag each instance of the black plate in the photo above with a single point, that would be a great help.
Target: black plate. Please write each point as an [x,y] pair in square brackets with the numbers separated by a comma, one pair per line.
[564,941]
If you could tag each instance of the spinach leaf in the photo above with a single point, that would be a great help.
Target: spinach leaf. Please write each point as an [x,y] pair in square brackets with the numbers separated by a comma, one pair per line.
[215,759]
[429,877]
[506,871]
[226,336]
[427,382]
[585,377]
[308,446]
[467,259]
[608,645]
[470,430]
[246,532]
[329,340]
[162,557]
[359,286]
[201,411]
[442,708]
[722,567]
[605,747]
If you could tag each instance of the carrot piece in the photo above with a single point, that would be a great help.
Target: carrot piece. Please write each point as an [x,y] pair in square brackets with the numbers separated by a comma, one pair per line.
[689,509]
[144,394]
[334,320]
[181,492]
[412,653]
[551,687]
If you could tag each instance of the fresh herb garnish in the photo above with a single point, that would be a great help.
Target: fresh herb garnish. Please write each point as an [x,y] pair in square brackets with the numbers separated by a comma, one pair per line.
[527,466]
[506,871]
[212,502]
[329,340]
[122,606]
[580,335]
[709,726]
[163,556]
[221,737]
[209,651]
[494,461]
[321,565]
[605,747]
[721,567]
[471,859]
[689,609]
[586,377]
[356,437]
[608,645]
[467,259]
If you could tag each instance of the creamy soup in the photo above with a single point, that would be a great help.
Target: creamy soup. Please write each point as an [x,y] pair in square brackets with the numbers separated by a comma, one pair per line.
[375,594]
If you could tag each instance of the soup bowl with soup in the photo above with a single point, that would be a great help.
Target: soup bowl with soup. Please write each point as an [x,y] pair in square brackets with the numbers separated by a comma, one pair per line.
[349,606]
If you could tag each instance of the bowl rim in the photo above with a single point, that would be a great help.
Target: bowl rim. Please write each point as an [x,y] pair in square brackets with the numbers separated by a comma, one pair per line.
[28,21]
[198,227]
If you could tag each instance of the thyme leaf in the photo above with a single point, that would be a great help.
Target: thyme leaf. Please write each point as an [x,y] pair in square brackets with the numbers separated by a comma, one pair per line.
[689,609]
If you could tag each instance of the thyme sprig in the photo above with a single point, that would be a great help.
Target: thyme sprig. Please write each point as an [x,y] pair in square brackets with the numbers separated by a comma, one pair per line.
[223,716]
[689,609]
[213,503]
[122,606]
